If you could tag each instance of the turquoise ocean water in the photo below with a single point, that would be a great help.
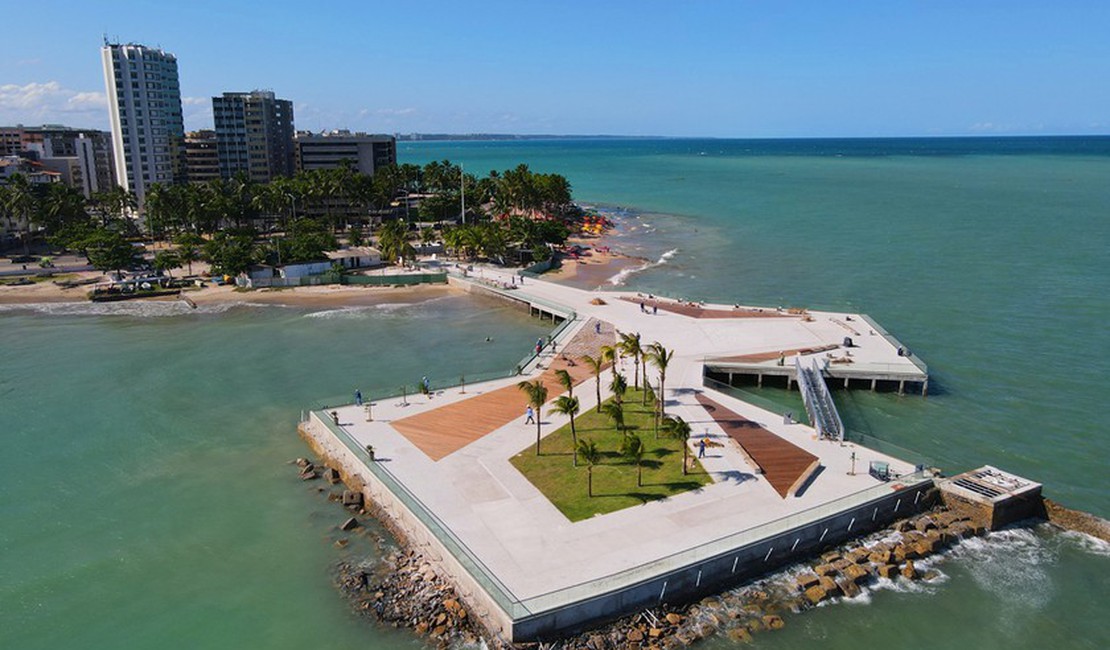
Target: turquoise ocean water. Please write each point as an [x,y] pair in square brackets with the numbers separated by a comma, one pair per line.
[146,500]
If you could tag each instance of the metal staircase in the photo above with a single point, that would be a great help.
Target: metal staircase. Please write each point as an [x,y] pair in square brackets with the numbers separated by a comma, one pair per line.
[819,404]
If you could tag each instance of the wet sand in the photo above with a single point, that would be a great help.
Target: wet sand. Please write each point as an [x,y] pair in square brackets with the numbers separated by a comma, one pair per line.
[593,270]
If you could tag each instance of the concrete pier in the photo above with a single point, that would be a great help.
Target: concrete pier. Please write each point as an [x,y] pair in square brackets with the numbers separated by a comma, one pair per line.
[524,568]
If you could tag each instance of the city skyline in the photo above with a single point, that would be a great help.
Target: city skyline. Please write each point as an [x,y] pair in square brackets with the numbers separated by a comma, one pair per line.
[711,69]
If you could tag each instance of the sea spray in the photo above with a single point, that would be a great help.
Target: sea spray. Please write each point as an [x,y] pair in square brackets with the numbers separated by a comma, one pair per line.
[620,278]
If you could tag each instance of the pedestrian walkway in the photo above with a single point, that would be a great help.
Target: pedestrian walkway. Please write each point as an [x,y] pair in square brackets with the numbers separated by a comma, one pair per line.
[442,431]
[785,465]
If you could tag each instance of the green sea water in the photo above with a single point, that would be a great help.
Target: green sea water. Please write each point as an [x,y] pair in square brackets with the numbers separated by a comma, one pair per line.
[146,500]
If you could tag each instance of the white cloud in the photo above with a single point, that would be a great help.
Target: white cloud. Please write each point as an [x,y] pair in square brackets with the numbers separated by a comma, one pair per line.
[196,101]
[49,102]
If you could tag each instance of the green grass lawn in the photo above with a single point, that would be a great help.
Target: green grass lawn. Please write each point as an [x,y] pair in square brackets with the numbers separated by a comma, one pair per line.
[553,471]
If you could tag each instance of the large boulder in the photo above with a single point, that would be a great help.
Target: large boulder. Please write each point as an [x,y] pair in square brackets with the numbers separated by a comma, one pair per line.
[331,475]
[806,580]
[849,587]
[909,571]
[854,573]
[350,524]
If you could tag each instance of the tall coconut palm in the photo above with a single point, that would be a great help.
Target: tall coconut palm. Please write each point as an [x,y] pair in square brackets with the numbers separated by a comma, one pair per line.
[565,380]
[568,405]
[595,366]
[615,412]
[660,357]
[589,452]
[680,429]
[537,397]
[633,449]
[611,354]
[630,345]
[21,201]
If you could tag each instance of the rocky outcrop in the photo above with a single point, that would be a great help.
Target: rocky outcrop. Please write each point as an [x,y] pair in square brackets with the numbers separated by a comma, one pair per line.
[1081,522]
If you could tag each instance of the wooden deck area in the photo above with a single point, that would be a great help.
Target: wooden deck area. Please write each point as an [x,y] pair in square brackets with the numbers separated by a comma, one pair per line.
[785,465]
[694,310]
[439,432]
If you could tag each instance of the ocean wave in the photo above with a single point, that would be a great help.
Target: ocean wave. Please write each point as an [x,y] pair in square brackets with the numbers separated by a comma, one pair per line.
[1086,543]
[1011,563]
[620,278]
[131,309]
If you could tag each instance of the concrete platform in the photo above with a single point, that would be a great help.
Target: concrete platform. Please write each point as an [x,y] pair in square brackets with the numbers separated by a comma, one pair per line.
[556,574]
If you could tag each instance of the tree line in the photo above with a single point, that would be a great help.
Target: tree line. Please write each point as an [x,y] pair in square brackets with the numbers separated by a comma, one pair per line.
[235,223]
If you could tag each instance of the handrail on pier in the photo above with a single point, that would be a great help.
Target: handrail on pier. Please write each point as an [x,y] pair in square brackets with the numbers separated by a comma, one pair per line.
[818,402]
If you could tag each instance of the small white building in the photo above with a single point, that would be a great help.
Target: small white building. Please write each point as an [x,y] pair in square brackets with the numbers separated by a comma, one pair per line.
[356,257]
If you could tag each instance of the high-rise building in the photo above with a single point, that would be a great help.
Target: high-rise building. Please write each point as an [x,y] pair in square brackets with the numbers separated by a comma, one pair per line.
[82,156]
[144,105]
[201,158]
[328,150]
[254,134]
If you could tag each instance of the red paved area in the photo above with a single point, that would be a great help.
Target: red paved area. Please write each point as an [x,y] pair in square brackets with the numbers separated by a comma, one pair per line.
[785,465]
[439,432]
[775,354]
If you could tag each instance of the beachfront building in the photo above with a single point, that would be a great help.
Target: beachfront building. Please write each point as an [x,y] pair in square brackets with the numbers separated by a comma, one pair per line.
[144,107]
[202,162]
[82,157]
[330,149]
[356,257]
[254,134]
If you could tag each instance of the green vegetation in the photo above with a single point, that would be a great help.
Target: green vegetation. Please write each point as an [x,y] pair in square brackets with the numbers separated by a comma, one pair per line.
[624,472]
[512,217]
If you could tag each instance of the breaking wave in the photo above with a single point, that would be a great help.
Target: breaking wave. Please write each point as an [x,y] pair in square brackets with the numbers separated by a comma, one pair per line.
[620,278]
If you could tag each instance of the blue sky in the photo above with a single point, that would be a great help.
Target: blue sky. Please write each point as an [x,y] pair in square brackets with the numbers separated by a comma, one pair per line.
[708,68]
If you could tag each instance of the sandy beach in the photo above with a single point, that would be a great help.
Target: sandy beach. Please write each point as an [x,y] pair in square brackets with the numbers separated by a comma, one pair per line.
[594,269]
[316,296]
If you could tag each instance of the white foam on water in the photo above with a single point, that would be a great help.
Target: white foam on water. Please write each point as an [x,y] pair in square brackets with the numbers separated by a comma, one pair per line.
[1011,565]
[620,278]
[1086,543]
[131,309]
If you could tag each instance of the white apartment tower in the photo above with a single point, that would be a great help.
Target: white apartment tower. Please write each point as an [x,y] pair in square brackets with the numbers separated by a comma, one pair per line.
[144,106]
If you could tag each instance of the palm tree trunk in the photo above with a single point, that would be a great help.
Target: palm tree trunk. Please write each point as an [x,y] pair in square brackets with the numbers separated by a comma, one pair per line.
[685,451]
[574,437]
[537,432]
[598,384]
[590,480]
[639,474]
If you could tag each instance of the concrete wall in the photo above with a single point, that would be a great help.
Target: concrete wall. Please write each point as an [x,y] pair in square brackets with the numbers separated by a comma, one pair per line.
[729,569]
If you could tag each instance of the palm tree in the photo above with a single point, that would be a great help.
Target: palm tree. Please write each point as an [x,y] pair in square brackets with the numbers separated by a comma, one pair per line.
[595,367]
[680,429]
[615,412]
[630,345]
[568,405]
[633,449]
[587,449]
[565,380]
[619,386]
[22,202]
[660,357]
[611,354]
[188,248]
[537,396]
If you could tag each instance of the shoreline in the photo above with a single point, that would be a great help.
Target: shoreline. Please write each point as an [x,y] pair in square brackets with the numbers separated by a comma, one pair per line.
[46,293]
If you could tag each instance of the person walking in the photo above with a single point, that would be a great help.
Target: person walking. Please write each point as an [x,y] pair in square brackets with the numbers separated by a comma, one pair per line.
[529,416]
[358,397]
[701,448]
